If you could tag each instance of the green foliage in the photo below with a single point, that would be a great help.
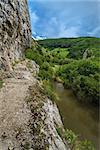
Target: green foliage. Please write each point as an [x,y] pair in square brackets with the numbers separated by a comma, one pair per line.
[83,77]
[60,53]
[89,45]
[71,137]
[74,141]
[48,90]
[59,131]
[77,61]
[46,71]
[34,55]
[69,42]
[85,145]
[77,144]
[76,46]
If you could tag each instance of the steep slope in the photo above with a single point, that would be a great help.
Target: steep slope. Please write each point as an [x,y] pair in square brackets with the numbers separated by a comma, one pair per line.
[28,119]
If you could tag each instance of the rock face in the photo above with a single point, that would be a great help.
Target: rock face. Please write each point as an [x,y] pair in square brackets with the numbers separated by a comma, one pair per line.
[15,32]
[28,119]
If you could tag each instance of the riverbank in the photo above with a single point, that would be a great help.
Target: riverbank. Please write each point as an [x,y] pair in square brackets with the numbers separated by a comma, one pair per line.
[80,118]
[47,74]
[75,61]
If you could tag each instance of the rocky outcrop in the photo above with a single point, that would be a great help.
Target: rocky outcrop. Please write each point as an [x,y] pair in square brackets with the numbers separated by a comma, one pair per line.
[28,119]
[15,32]
[45,122]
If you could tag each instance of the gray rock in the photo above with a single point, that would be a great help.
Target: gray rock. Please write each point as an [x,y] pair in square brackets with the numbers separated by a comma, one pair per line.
[15,32]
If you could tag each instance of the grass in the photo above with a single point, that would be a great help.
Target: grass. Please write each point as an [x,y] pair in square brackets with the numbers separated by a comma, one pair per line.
[74,141]
[60,52]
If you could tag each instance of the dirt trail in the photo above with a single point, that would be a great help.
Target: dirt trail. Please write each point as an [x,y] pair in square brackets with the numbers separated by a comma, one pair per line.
[14,113]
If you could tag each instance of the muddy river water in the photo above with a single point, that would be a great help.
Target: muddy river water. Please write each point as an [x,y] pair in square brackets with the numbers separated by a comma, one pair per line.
[81,118]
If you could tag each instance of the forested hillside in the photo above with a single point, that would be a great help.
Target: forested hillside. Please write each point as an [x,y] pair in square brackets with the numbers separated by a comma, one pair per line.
[74,61]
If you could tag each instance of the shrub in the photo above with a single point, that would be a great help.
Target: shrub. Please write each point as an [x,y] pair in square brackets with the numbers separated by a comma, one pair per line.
[48,90]
[71,137]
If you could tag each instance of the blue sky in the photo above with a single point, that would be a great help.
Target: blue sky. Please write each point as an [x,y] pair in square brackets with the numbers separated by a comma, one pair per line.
[65,18]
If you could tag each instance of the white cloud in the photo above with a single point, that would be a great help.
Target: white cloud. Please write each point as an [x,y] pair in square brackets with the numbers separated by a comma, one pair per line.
[50,27]
[63,18]
[56,27]
[95,31]
[69,32]
[34,19]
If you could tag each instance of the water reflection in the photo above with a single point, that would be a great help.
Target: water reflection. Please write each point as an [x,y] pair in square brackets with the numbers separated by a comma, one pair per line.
[81,118]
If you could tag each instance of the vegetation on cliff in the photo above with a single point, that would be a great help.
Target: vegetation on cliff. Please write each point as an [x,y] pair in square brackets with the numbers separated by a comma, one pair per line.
[74,140]
[75,61]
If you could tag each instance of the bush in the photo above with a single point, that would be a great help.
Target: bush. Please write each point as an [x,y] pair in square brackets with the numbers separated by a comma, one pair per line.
[48,90]
[73,140]
[83,77]
[75,143]
[34,55]
[85,145]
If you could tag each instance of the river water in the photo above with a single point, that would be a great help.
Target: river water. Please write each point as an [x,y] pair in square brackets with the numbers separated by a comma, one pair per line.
[81,118]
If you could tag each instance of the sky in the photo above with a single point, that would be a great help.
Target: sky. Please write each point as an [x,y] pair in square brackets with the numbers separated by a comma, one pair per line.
[64,18]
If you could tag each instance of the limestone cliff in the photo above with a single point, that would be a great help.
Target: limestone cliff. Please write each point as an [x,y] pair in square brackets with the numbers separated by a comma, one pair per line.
[15,32]
[28,119]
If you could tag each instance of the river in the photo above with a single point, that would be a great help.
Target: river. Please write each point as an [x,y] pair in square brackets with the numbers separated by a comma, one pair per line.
[83,119]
